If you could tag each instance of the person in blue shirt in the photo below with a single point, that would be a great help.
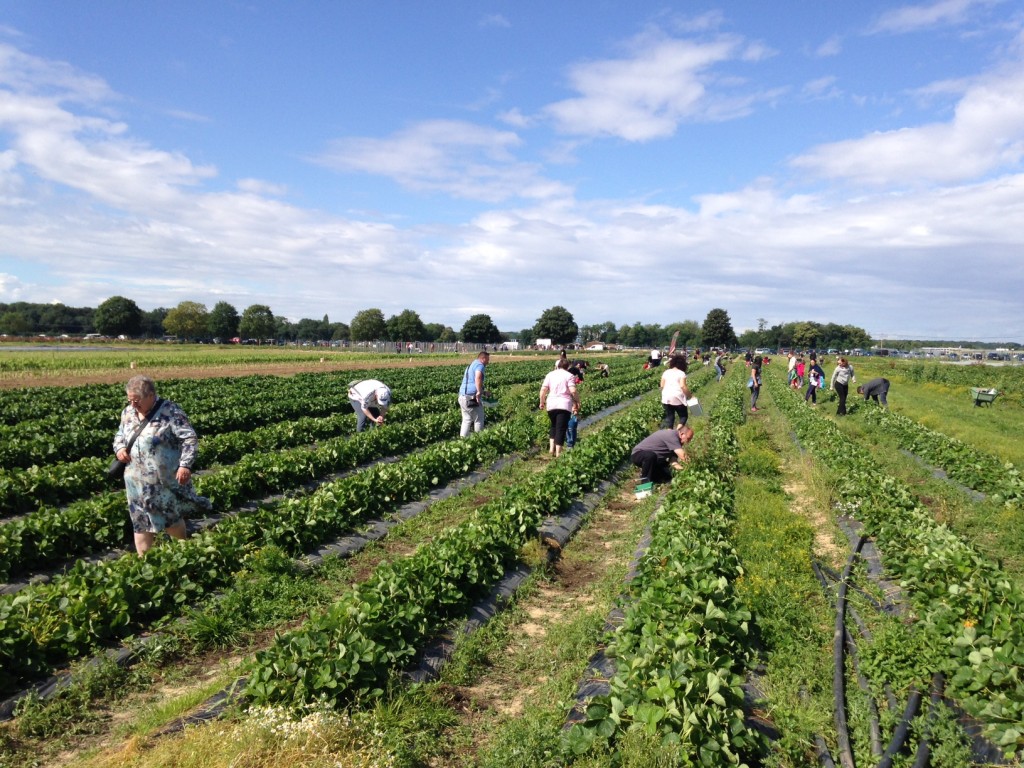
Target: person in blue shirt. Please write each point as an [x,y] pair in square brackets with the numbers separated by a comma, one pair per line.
[471,390]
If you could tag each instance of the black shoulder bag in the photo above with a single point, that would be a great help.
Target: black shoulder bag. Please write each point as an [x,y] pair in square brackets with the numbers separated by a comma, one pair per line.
[116,469]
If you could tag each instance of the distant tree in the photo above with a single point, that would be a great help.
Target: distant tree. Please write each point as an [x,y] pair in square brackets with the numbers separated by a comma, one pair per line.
[448,335]
[284,329]
[433,331]
[750,339]
[527,337]
[15,324]
[406,326]
[607,332]
[257,322]
[717,330]
[480,329]
[118,316]
[557,324]
[223,321]
[188,320]
[805,335]
[152,323]
[368,325]
[340,332]
[308,329]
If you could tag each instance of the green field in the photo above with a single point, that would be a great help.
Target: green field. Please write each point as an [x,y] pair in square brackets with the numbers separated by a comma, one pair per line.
[720,593]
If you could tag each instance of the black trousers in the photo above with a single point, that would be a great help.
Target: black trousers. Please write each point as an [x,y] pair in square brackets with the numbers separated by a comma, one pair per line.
[842,390]
[671,411]
[653,468]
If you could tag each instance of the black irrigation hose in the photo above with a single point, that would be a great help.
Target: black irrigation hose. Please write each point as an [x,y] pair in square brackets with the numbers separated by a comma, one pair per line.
[877,604]
[838,658]
[924,747]
[874,725]
[899,736]
[824,756]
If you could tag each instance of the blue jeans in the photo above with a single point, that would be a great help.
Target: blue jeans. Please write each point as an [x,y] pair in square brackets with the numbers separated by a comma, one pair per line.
[361,420]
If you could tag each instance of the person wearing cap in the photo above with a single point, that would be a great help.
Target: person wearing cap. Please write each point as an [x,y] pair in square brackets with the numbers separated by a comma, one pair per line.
[370,400]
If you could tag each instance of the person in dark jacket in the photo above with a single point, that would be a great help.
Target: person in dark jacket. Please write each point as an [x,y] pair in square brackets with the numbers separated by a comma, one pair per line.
[876,389]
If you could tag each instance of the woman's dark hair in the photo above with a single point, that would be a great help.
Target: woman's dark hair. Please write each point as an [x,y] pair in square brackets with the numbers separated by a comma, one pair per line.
[678,361]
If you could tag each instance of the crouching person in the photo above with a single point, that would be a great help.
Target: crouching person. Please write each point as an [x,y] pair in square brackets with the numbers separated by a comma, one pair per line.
[661,450]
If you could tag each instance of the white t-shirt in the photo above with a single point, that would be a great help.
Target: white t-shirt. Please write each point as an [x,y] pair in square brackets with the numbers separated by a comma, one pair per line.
[558,383]
[672,382]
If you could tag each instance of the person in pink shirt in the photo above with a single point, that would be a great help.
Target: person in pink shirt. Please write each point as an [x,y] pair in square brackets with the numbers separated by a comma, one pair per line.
[559,396]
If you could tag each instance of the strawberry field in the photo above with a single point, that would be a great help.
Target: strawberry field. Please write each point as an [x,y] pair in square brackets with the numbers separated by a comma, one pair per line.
[807,591]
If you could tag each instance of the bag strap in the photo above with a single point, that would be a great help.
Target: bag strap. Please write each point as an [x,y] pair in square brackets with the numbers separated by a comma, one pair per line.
[138,430]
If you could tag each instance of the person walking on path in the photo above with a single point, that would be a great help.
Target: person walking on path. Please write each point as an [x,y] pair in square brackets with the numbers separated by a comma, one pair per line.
[815,378]
[754,383]
[471,390]
[370,399]
[660,450]
[841,378]
[719,365]
[558,394]
[876,389]
[158,446]
[674,392]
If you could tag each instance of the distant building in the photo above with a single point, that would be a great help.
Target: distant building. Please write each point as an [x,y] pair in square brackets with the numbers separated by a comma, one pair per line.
[543,343]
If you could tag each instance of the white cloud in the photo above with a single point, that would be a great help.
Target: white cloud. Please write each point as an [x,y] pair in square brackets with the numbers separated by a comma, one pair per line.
[985,135]
[495,20]
[90,153]
[646,95]
[261,187]
[459,158]
[11,288]
[910,18]
[831,47]
[822,87]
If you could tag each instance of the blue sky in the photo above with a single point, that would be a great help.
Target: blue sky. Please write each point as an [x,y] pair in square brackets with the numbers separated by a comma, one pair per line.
[856,163]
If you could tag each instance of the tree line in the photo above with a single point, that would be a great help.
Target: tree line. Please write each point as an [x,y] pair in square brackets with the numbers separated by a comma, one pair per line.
[189,320]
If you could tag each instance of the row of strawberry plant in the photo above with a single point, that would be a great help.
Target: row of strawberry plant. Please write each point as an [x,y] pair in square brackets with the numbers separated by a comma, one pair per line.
[683,646]
[46,625]
[964,463]
[373,630]
[962,599]
[217,406]
[23,490]
[51,535]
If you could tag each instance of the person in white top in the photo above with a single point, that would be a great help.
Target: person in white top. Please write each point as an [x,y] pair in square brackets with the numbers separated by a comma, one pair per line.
[559,396]
[370,399]
[674,392]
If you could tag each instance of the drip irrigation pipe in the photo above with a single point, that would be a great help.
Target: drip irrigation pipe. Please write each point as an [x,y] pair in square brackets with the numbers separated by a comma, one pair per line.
[924,747]
[838,658]
[874,601]
[899,736]
[824,756]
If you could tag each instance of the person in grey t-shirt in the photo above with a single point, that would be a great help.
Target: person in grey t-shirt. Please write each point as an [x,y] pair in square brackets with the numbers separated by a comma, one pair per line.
[656,452]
